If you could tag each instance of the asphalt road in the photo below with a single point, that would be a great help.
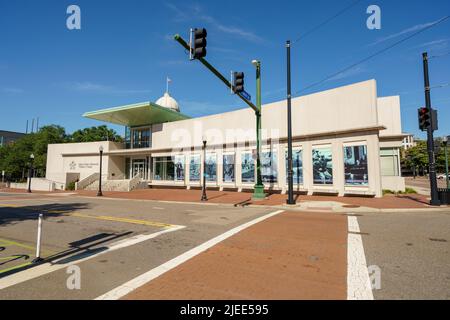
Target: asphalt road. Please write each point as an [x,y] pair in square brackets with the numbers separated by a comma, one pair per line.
[412,251]
[81,231]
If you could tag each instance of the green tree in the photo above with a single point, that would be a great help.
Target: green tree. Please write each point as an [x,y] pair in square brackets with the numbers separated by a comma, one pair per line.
[418,155]
[100,133]
[15,157]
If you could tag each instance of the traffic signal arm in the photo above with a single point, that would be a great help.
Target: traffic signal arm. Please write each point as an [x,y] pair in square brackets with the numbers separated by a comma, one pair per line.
[181,41]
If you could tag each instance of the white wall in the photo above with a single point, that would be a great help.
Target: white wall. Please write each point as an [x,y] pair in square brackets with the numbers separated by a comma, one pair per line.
[344,108]
[389,115]
[82,158]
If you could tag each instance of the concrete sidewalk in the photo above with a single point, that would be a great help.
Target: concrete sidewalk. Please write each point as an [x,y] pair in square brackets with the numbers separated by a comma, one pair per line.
[292,255]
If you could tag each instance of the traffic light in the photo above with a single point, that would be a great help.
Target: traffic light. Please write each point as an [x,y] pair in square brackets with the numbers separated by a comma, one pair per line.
[238,82]
[424,118]
[428,118]
[199,43]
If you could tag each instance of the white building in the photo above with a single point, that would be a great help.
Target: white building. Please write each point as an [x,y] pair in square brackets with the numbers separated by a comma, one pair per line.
[346,142]
[408,142]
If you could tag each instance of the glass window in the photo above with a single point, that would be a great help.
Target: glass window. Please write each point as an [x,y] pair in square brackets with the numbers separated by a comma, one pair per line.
[269,171]
[141,138]
[194,168]
[297,166]
[127,168]
[179,167]
[355,166]
[164,169]
[247,167]
[322,166]
[228,168]
[211,167]
[389,162]
[127,138]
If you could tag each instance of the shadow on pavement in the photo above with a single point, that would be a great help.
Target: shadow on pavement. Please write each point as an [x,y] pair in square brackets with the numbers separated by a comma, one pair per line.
[11,215]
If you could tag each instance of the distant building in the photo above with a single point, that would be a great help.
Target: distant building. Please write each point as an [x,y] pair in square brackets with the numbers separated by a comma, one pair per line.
[408,142]
[9,136]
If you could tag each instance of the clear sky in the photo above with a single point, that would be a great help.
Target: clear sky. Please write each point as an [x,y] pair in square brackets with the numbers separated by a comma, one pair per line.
[125,50]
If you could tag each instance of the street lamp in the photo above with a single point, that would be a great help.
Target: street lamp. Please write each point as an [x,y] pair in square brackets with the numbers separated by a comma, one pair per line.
[30,172]
[258,193]
[99,193]
[445,141]
[204,198]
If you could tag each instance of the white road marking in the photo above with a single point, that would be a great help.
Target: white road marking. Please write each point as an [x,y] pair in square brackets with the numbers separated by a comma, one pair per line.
[137,282]
[54,266]
[158,208]
[358,281]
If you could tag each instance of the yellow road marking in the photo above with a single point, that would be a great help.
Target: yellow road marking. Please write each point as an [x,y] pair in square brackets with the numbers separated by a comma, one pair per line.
[126,220]
[108,218]
[15,267]
[8,205]
[17,244]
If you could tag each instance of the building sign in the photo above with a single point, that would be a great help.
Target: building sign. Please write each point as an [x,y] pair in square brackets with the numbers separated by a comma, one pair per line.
[269,172]
[355,162]
[194,168]
[83,165]
[297,167]
[179,168]
[322,166]
[247,168]
[228,168]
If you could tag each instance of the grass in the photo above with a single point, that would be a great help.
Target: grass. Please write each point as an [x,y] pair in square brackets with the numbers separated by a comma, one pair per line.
[407,191]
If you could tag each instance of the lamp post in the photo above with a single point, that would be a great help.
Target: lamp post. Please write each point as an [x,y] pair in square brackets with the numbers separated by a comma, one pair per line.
[204,198]
[99,193]
[445,141]
[30,172]
[258,193]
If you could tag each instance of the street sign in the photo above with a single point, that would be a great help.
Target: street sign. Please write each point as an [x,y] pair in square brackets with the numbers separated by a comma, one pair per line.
[246,95]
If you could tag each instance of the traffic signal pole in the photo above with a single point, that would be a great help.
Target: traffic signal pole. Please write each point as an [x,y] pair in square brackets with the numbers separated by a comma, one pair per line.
[258,193]
[259,187]
[430,140]
[183,43]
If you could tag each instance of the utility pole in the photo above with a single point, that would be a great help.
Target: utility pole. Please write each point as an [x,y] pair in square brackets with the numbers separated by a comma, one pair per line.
[430,142]
[289,170]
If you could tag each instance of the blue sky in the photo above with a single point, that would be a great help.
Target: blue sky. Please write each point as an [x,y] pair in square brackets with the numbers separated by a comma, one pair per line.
[125,50]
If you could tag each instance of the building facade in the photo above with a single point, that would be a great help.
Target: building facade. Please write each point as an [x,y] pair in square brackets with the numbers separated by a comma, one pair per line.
[346,141]
[9,137]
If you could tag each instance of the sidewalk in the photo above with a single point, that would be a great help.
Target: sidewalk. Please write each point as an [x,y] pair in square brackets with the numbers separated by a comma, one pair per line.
[415,201]
[289,256]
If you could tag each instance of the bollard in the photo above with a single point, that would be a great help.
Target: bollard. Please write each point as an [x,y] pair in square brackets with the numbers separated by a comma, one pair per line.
[39,236]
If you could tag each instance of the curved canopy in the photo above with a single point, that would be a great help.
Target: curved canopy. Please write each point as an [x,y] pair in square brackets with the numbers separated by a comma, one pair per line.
[138,114]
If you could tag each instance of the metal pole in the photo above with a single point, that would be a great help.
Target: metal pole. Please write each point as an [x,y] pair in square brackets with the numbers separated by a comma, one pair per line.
[204,198]
[39,236]
[430,142]
[99,193]
[446,165]
[183,43]
[290,199]
[259,187]
[30,171]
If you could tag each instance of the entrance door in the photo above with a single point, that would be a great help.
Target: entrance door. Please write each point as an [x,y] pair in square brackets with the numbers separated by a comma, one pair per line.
[139,168]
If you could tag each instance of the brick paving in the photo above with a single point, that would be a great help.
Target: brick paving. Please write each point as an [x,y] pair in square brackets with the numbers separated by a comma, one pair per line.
[292,255]
[244,198]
